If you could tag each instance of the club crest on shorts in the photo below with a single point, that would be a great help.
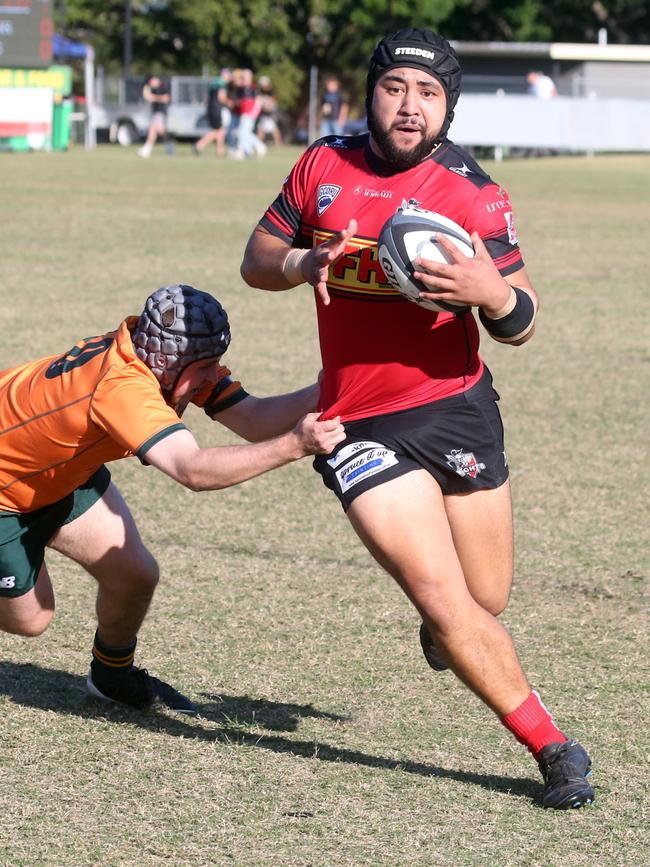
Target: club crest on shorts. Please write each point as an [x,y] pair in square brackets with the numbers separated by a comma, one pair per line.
[464,463]
[325,196]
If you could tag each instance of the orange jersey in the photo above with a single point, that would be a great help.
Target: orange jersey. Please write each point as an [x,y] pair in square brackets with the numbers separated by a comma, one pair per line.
[62,417]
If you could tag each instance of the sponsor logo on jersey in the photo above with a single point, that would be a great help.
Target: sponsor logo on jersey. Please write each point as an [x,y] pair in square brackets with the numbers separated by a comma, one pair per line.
[325,196]
[358,272]
[369,193]
[510,223]
[336,143]
[416,52]
[7,582]
[491,207]
[461,170]
[365,466]
[464,463]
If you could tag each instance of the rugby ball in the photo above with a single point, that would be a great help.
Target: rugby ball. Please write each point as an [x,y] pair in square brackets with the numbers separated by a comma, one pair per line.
[409,234]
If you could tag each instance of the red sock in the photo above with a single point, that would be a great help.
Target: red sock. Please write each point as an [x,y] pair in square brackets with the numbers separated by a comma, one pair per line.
[533,725]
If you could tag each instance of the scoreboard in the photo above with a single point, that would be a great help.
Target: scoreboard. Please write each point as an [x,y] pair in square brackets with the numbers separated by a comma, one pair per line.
[26,30]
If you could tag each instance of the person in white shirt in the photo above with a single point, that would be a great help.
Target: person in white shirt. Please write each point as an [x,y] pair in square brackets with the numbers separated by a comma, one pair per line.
[541,85]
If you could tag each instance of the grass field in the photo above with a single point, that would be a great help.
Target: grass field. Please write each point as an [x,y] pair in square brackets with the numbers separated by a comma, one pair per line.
[324,739]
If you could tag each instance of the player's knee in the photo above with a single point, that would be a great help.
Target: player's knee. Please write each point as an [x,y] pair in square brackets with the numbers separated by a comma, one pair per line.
[448,613]
[439,616]
[499,605]
[147,574]
[32,628]
[38,626]
[140,576]
[493,601]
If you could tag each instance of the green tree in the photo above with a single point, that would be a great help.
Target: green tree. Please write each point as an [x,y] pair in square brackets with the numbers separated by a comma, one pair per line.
[540,21]
[284,38]
[344,32]
[161,37]
[264,35]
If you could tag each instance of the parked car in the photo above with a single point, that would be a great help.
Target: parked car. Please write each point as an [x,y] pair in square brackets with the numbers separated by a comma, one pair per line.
[121,115]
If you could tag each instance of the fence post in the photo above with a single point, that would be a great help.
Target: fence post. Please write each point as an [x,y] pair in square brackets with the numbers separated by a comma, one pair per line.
[313,102]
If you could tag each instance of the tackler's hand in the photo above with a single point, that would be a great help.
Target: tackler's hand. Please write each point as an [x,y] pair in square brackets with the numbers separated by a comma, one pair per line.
[318,437]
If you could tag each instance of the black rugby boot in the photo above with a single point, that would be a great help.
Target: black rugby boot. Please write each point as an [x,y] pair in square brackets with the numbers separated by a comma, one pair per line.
[565,768]
[431,652]
[136,688]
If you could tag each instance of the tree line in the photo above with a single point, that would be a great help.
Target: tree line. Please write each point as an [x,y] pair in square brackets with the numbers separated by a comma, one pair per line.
[284,38]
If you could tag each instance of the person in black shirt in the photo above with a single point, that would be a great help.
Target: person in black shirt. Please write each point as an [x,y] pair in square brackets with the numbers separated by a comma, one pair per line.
[156,93]
[218,114]
[333,108]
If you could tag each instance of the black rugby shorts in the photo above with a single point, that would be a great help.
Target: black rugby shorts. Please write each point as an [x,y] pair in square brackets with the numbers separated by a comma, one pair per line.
[458,440]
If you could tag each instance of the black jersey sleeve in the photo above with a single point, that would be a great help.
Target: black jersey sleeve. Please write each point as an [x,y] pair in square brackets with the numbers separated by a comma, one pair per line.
[283,217]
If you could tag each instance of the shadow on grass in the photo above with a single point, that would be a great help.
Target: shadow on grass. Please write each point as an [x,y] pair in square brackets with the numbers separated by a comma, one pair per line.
[241,710]
[33,686]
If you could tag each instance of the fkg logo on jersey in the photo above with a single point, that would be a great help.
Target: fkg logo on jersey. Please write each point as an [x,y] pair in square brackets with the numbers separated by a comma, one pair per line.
[325,196]
[464,463]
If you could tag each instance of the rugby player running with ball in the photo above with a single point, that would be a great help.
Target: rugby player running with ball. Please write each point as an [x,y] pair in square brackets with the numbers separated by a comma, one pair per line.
[423,430]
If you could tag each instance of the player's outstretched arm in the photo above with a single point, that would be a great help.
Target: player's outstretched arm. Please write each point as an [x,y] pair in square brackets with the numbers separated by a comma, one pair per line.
[260,418]
[209,469]
[270,263]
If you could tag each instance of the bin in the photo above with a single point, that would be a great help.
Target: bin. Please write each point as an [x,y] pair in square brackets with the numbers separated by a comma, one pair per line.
[61,125]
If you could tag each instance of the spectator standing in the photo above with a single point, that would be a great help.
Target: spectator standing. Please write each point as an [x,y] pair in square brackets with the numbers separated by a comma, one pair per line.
[232,96]
[333,108]
[267,122]
[218,113]
[248,107]
[156,93]
[541,85]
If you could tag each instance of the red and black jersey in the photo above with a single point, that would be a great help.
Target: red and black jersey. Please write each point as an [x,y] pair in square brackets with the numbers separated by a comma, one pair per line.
[382,353]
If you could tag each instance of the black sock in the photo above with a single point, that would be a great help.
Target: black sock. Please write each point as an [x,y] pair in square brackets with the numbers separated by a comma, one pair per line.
[111,661]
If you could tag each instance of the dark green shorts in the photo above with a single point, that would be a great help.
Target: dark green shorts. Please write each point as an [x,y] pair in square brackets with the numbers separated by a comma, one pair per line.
[24,536]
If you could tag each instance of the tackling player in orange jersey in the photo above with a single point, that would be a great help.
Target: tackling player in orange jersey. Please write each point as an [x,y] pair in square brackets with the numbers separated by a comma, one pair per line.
[116,395]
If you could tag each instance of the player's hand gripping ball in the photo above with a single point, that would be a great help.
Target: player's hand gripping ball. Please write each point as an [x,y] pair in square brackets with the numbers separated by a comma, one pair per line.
[409,233]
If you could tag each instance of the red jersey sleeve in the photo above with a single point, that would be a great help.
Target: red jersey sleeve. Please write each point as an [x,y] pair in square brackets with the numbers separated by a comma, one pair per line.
[492,217]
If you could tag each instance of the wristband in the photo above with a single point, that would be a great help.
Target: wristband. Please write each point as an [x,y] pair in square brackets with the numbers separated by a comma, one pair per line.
[215,398]
[516,323]
[292,267]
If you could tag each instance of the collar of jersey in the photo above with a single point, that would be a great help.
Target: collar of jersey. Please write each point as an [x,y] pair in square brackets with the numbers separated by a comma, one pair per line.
[384,169]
